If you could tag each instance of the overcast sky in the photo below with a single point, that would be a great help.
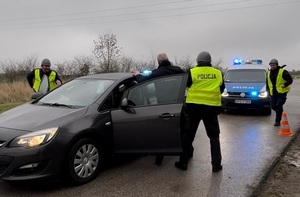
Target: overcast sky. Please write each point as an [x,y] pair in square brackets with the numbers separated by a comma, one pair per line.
[63,29]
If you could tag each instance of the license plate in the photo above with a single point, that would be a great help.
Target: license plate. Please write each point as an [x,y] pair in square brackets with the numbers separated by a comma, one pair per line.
[243,101]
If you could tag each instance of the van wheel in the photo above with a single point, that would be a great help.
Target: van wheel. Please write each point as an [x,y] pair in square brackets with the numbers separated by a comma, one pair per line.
[84,161]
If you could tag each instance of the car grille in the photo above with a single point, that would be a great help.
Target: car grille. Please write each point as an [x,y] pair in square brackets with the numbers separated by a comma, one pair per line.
[238,94]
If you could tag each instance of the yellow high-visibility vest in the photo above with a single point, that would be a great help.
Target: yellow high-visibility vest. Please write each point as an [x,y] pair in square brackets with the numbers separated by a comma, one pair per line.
[206,86]
[37,80]
[279,82]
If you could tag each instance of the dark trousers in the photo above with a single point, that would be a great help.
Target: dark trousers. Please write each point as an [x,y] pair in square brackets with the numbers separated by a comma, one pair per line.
[194,114]
[277,102]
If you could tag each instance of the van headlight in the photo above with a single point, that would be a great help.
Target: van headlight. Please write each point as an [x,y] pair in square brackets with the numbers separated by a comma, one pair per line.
[263,94]
[225,93]
[34,139]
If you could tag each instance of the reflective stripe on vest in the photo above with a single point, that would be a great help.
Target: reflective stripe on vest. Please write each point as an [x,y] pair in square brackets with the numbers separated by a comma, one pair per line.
[37,80]
[206,86]
[279,82]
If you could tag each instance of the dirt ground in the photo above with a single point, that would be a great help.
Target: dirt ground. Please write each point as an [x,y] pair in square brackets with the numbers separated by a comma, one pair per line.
[285,178]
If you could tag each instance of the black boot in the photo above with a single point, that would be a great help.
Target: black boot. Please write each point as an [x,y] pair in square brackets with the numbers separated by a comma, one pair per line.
[217,168]
[180,165]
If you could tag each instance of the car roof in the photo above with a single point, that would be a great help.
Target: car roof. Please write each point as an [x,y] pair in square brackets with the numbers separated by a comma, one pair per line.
[248,66]
[111,76]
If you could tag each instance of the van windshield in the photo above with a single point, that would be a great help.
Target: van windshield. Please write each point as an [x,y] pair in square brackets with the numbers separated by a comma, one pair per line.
[245,76]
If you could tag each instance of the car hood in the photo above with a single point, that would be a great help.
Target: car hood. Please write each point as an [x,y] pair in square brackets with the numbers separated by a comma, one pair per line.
[245,87]
[30,117]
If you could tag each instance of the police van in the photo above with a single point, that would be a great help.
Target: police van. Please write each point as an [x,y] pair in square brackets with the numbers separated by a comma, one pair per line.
[245,87]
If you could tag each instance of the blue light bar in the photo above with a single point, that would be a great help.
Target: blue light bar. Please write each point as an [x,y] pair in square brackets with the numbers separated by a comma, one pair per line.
[237,61]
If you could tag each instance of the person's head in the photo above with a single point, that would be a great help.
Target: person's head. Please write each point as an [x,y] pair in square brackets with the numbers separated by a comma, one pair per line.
[204,58]
[46,65]
[273,64]
[162,57]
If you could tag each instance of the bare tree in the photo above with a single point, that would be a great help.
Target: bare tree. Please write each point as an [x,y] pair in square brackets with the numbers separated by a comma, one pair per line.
[185,63]
[82,65]
[107,52]
[66,70]
[27,65]
[218,64]
[10,69]
[127,64]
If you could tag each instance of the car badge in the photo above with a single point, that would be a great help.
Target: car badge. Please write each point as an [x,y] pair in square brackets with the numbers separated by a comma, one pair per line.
[243,94]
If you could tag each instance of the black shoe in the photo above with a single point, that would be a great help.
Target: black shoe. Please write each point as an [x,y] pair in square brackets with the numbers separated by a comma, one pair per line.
[217,168]
[181,166]
[277,124]
[159,159]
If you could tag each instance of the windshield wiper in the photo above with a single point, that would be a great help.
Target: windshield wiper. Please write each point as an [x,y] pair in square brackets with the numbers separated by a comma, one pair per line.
[58,105]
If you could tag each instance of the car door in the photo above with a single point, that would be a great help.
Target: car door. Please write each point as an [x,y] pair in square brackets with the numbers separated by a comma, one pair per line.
[150,123]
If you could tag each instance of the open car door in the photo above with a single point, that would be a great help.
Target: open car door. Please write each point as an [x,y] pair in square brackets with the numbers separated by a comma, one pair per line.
[149,118]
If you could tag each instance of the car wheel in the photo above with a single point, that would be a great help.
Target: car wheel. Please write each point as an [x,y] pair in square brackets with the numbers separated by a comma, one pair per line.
[84,161]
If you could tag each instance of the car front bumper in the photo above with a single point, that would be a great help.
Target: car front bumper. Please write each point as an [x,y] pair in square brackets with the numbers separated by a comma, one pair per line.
[246,103]
[19,164]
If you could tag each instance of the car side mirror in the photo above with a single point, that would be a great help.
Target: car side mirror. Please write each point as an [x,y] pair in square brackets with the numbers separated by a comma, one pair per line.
[124,103]
[37,95]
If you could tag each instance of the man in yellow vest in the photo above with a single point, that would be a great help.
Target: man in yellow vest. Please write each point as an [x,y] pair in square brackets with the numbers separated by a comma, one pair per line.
[35,77]
[278,85]
[203,102]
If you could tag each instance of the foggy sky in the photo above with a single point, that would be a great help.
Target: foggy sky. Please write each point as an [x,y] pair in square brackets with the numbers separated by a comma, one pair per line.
[63,29]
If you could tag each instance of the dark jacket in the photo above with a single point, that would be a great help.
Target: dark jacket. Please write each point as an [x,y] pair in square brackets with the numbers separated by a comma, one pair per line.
[273,76]
[164,68]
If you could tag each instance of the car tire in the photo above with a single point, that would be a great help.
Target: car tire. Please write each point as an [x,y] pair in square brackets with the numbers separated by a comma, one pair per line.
[84,161]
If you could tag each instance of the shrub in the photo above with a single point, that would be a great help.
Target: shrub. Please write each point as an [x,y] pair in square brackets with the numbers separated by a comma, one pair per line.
[15,92]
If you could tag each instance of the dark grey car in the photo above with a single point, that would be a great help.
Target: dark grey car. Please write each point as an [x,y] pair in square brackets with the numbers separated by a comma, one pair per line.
[72,130]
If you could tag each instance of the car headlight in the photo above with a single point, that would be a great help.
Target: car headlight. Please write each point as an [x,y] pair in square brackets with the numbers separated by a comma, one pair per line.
[263,94]
[34,139]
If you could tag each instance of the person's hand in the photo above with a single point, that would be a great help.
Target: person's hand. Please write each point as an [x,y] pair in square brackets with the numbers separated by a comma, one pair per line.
[135,73]
[58,82]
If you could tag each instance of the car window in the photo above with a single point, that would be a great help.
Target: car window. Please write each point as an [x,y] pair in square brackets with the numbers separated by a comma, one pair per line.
[114,99]
[245,76]
[79,92]
[156,92]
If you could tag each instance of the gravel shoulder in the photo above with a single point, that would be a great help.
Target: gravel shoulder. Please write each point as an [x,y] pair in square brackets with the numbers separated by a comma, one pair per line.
[284,180]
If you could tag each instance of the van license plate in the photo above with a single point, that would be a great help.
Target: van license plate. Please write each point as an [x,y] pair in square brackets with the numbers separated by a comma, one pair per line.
[243,101]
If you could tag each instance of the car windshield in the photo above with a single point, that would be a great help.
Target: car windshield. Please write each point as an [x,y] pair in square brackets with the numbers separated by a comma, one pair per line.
[79,92]
[245,76]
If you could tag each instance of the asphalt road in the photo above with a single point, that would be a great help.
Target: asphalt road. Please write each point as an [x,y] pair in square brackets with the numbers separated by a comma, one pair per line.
[250,146]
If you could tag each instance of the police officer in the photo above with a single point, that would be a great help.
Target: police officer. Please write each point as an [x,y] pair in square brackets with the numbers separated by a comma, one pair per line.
[35,77]
[205,85]
[278,85]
